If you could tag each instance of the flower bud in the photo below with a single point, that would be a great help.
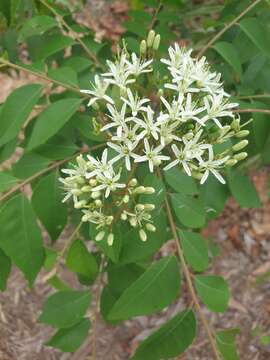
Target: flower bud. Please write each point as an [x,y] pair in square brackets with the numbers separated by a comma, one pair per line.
[242,133]
[143,235]
[98,203]
[149,207]
[95,106]
[124,216]
[225,129]
[95,194]
[139,207]
[93,182]
[188,136]
[100,235]
[235,124]
[133,221]
[157,162]
[133,182]
[143,47]
[85,218]
[76,192]
[150,227]
[149,190]
[80,204]
[126,199]
[86,188]
[110,239]
[240,145]
[150,38]
[231,162]
[139,190]
[156,42]
[109,220]
[240,156]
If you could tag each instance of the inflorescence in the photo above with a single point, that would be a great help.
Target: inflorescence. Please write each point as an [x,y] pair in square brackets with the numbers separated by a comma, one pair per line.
[179,119]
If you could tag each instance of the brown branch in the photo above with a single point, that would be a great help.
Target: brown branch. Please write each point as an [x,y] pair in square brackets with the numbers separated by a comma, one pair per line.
[263,111]
[227,27]
[189,278]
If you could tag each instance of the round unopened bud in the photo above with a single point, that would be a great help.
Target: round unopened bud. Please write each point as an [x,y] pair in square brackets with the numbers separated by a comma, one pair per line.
[240,145]
[85,218]
[231,162]
[126,199]
[139,190]
[110,239]
[242,133]
[156,42]
[150,227]
[80,180]
[109,220]
[100,235]
[133,182]
[98,203]
[139,207]
[160,92]
[133,221]
[240,156]
[93,182]
[150,38]
[95,194]
[149,207]
[143,47]
[188,136]
[142,235]
[86,188]
[149,190]
[197,175]
[76,192]
[80,204]
[225,129]
[157,162]
[124,216]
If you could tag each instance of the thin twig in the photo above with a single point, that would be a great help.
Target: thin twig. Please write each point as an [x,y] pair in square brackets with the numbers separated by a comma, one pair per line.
[188,277]
[43,77]
[152,24]
[74,35]
[227,27]
[256,96]
[263,111]
[49,168]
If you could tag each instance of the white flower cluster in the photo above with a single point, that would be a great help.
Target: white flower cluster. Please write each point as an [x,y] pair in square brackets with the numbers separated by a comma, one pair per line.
[181,125]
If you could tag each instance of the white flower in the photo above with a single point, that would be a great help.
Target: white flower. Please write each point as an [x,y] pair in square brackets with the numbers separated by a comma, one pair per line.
[138,66]
[167,132]
[119,73]
[135,103]
[150,126]
[216,106]
[152,155]
[118,119]
[97,166]
[180,159]
[211,166]
[109,183]
[128,136]
[174,109]
[178,56]
[98,92]
[124,151]
[190,110]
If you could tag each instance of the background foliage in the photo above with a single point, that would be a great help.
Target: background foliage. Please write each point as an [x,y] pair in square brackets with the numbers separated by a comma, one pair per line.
[48,119]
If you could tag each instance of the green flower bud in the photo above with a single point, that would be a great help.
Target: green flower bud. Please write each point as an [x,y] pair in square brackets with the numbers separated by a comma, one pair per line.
[95,106]
[231,162]
[98,203]
[133,182]
[240,145]
[85,218]
[100,235]
[93,182]
[240,156]
[86,188]
[133,222]
[76,192]
[110,239]
[156,42]
[149,190]
[149,207]
[109,220]
[242,133]
[150,227]
[139,190]
[235,125]
[139,207]
[95,194]
[143,235]
[124,216]
[143,47]
[150,38]
[126,199]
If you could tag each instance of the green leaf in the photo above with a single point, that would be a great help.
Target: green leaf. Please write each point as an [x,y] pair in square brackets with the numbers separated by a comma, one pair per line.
[65,75]
[70,339]
[159,195]
[28,165]
[229,53]
[77,63]
[226,343]
[5,268]
[47,203]
[37,26]
[243,190]
[81,261]
[180,182]
[20,237]
[258,34]
[195,250]
[144,296]
[171,340]
[51,120]
[57,148]
[6,181]
[213,291]
[189,211]
[41,47]
[16,110]
[65,308]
